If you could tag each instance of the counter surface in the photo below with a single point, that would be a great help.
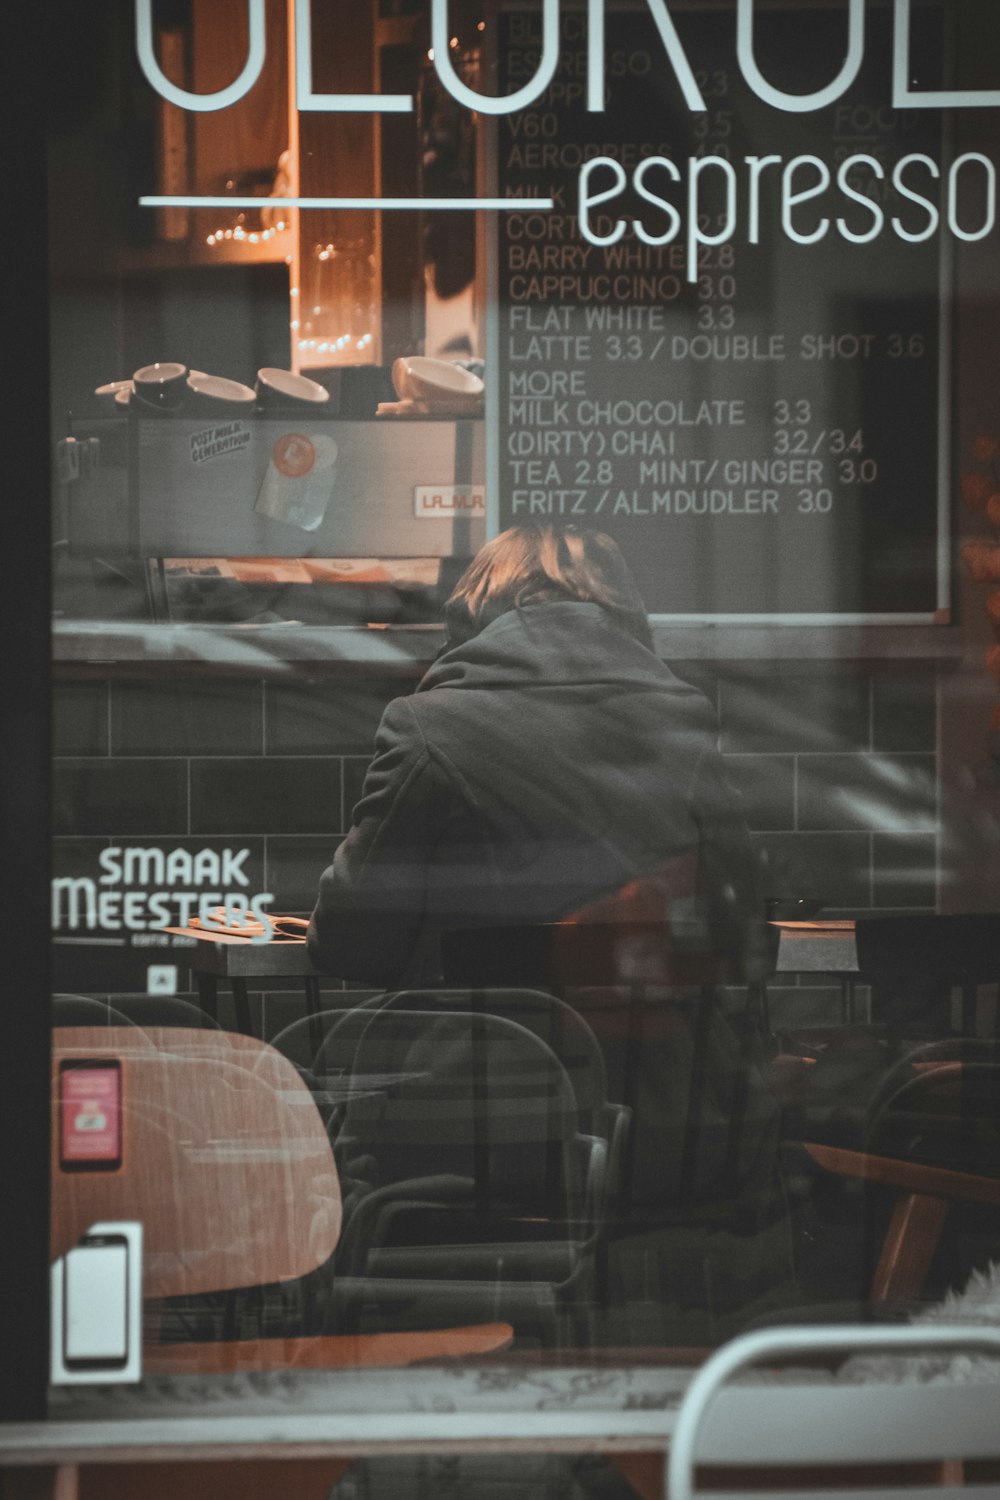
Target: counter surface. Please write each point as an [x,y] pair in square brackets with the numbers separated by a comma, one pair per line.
[406,650]
[487,1408]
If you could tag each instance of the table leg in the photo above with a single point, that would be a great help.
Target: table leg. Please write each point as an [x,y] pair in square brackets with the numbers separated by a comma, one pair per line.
[208,996]
[313,1004]
[703,1023]
[630,1088]
[241,1004]
[848,999]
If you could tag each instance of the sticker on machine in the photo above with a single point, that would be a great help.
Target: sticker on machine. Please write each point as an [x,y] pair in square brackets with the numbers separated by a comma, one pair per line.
[436,502]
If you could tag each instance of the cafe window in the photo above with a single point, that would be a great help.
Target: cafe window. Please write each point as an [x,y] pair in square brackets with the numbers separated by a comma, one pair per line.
[525,669]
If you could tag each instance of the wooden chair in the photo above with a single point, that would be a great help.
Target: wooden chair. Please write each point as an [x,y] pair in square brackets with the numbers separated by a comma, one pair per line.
[226,1162]
[944,1112]
[925,1195]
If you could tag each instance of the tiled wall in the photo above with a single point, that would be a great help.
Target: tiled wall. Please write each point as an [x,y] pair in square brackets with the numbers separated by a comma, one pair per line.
[838,776]
[208,763]
[837,771]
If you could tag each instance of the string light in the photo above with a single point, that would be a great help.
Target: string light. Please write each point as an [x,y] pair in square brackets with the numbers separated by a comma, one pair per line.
[253,237]
[334,346]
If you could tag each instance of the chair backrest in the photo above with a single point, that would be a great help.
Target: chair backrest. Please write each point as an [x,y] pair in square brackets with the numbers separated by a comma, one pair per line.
[835,1422]
[947,1114]
[464,1096]
[224,1160]
[302,1041]
[563,1030]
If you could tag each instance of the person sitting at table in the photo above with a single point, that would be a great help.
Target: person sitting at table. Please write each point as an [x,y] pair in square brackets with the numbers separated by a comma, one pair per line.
[547,759]
[549,767]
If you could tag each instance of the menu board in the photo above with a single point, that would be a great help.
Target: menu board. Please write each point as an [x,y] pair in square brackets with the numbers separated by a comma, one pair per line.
[756,421]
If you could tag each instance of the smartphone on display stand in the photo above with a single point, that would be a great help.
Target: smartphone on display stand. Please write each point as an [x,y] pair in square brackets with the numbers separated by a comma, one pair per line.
[90,1114]
[95,1304]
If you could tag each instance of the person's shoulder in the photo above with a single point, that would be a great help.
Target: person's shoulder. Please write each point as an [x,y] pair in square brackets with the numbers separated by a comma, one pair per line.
[400,724]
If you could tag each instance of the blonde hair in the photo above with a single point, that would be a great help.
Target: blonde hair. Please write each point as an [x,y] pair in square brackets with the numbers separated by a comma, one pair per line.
[541,564]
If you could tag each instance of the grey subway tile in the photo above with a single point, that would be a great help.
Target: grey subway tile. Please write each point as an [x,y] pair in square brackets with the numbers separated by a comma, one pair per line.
[77,857]
[325,717]
[80,718]
[208,716]
[883,794]
[905,870]
[277,795]
[120,797]
[904,714]
[787,713]
[835,867]
[294,866]
[766,784]
[794,1008]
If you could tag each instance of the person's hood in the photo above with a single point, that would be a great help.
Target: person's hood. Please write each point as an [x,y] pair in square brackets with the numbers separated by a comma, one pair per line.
[557,644]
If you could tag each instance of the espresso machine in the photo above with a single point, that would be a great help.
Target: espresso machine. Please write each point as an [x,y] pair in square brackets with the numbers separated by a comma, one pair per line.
[295,514]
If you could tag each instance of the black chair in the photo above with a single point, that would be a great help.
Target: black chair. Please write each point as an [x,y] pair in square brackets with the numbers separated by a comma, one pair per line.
[699,1233]
[304,1041]
[565,1032]
[469,1191]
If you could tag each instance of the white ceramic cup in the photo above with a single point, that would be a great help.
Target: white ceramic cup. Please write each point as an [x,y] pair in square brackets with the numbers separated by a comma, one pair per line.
[437,382]
[282,388]
[214,393]
[160,384]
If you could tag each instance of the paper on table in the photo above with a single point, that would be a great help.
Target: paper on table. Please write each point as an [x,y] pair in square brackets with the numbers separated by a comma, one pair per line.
[284,929]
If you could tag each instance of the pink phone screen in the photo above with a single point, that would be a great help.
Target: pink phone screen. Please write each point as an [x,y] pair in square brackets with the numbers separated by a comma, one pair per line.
[91,1113]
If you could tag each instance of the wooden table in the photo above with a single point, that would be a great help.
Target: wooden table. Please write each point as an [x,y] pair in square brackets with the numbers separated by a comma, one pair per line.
[823,948]
[239,960]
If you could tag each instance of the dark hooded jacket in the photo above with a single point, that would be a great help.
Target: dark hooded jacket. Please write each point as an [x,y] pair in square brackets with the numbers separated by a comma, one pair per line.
[542,765]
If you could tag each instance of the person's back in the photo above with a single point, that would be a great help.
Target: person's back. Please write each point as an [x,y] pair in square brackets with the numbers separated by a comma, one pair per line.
[545,761]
